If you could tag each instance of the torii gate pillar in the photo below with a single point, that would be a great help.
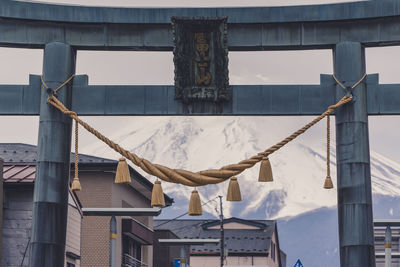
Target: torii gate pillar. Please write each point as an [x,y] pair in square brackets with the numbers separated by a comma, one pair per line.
[356,239]
[50,207]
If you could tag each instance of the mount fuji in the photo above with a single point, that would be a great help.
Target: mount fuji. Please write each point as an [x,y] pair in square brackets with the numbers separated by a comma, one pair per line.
[306,213]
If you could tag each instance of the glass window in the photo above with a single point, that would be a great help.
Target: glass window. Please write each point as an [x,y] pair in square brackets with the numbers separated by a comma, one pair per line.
[131,248]
[273,251]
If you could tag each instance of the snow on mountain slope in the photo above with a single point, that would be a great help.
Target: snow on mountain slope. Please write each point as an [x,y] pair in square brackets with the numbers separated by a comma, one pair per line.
[197,143]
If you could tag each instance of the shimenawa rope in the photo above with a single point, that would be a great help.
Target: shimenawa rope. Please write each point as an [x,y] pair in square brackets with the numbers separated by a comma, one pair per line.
[188,178]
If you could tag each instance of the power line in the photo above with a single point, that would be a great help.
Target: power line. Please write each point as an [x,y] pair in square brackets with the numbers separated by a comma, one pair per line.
[26,249]
[183,214]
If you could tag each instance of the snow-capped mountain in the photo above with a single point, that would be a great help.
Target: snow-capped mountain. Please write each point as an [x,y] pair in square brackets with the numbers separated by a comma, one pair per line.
[197,143]
[306,212]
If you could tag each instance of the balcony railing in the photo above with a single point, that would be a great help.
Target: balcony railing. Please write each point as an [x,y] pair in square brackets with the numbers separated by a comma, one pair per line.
[129,261]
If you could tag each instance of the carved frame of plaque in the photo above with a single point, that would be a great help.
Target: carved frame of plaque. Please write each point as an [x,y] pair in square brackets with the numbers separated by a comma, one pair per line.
[201,59]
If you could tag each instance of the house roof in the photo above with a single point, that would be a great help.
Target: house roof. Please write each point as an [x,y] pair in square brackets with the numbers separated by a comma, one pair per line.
[260,226]
[238,241]
[19,173]
[20,167]
[18,153]
[20,162]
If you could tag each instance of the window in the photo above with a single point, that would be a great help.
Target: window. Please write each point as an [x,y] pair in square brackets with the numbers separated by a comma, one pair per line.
[70,264]
[131,248]
[273,251]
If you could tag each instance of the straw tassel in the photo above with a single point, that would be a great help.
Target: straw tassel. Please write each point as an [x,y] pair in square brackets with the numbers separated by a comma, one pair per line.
[122,175]
[233,190]
[328,181]
[76,185]
[195,204]
[265,171]
[157,195]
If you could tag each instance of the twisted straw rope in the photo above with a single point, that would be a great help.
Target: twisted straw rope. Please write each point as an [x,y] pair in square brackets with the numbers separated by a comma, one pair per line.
[60,86]
[353,86]
[188,178]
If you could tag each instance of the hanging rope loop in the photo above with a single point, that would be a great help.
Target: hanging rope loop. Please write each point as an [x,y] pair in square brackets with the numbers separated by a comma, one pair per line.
[76,149]
[52,92]
[348,89]
[182,176]
[328,141]
[328,184]
[76,185]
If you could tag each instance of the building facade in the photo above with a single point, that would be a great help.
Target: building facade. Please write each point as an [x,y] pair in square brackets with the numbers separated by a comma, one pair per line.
[379,234]
[164,255]
[19,171]
[87,237]
[134,234]
[247,242]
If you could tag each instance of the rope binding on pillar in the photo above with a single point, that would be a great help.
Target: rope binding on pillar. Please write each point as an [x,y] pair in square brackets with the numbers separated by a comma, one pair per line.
[205,177]
[349,89]
[52,92]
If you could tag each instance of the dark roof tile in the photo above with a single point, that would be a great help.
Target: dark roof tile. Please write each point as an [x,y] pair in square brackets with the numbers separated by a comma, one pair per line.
[239,238]
[24,153]
[17,154]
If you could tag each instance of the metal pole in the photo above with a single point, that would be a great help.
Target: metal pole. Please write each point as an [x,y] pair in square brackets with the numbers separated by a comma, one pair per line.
[222,242]
[388,247]
[183,256]
[1,206]
[50,206]
[356,235]
[187,253]
[113,242]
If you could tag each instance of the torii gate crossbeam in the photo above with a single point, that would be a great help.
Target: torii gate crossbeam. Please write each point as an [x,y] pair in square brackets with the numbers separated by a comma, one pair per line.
[346,28]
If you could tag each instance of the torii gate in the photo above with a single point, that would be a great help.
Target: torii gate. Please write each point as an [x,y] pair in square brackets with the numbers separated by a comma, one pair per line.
[346,28]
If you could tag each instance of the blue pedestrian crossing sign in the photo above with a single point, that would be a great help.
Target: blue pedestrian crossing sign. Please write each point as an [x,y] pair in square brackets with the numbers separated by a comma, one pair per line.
[298,264]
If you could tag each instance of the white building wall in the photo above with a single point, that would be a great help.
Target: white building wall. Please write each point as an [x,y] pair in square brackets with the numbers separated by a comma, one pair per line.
[209,261]
[242,261]
[270,260]
[125,196]
[235,225]
[74,225]
[17,223]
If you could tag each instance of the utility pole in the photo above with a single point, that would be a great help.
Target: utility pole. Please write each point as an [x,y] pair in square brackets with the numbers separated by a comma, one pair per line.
[222,242]
[388,247]
[113,242]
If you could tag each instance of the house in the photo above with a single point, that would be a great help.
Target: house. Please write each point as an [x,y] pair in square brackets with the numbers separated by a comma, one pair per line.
[135,234]
[379,242]
[247,242]
[164,255]
[19,174]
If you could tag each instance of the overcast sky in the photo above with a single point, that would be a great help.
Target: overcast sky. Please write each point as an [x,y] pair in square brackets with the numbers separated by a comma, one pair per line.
[263,67]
